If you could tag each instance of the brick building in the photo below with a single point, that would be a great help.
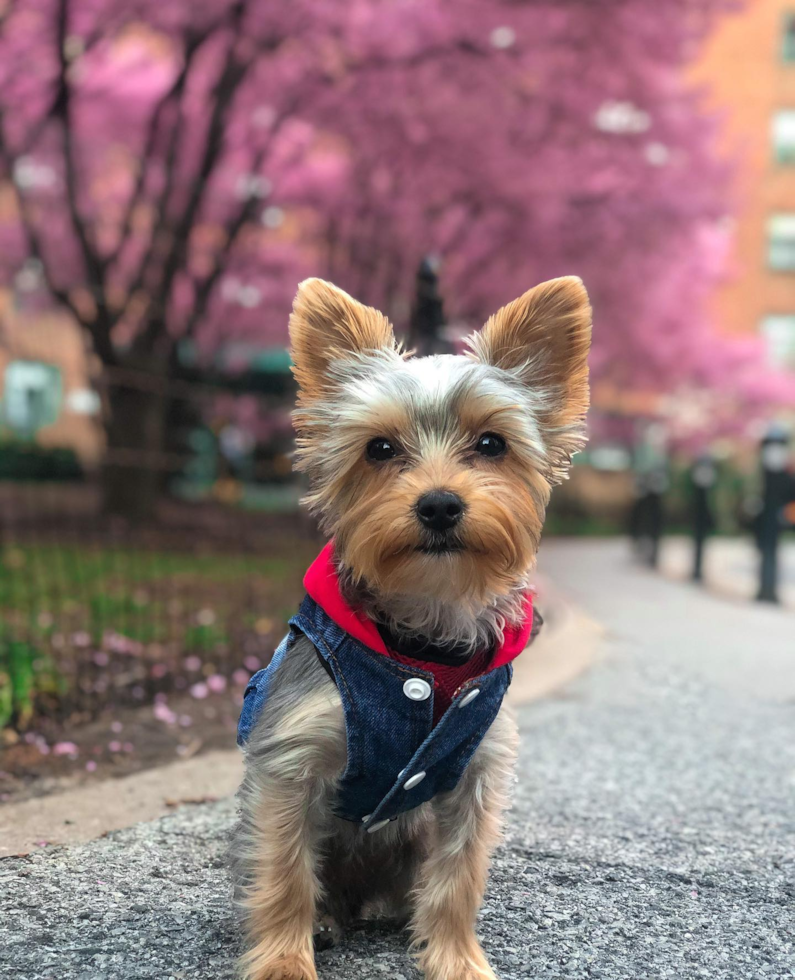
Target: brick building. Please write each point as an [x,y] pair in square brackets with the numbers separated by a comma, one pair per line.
[45,381]
[748,72]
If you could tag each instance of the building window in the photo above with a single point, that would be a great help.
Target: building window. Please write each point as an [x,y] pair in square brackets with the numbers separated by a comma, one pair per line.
[788,38]
[784,135]
[31,396]
[781,242]
[779,333]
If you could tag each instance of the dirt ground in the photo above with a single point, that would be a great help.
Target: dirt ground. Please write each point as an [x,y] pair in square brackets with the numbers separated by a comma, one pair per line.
[118,744]
[188,708]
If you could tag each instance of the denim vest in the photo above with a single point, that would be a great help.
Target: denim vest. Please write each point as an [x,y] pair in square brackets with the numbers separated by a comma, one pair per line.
[397,757]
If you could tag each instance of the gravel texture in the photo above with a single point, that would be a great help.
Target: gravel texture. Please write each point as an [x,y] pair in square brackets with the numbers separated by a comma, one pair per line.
[653,831]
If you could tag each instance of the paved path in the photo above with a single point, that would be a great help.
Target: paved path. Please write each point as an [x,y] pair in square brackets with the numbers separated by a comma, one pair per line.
[653,833]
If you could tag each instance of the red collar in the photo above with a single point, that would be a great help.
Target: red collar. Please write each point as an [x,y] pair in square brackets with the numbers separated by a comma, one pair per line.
[322,584]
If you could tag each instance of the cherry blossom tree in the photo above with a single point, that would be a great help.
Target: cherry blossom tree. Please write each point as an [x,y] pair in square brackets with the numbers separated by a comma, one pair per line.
[173,168]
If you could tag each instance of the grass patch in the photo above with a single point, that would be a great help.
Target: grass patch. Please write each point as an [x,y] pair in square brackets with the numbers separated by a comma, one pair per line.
[26,674]
[86,627]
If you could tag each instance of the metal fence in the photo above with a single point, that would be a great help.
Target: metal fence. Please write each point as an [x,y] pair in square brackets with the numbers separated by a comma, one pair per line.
[100,608]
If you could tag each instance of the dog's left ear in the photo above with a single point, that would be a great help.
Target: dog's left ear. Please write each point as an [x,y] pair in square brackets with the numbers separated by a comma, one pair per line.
[543,338]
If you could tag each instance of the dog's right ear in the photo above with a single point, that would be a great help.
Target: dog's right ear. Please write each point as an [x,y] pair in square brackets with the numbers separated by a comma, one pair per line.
[327,324]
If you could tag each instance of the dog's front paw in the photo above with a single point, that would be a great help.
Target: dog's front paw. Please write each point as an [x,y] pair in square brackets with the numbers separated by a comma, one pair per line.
[448,963]
[326,933]
[463,971]
[295,967]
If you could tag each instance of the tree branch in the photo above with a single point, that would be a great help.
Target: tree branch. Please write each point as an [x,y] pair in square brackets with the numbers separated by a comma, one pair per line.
[62,111]
[232,75]
[100,338]
[173,95]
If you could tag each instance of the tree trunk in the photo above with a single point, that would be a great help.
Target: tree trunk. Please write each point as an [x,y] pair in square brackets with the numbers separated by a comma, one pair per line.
[133,470]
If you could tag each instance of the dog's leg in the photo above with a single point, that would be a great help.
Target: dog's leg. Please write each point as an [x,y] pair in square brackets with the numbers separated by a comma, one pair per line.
[285,803]
[453,876]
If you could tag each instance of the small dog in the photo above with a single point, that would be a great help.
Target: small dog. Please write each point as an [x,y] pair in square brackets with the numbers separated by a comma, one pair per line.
[378,751]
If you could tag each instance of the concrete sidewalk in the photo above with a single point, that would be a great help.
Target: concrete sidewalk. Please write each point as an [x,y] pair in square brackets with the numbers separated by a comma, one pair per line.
[652,833]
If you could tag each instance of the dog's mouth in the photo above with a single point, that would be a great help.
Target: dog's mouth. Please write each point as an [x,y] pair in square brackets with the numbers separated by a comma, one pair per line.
[440,546]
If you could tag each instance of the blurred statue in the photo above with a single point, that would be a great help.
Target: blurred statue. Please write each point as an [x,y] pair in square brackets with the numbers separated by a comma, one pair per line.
[427,315]
[652,481]
[778,489]
[703,477]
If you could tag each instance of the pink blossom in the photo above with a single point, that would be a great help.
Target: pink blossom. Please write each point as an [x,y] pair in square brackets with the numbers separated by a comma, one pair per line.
[163,713]
[199,691]
[516,141]
[118,643]
[65,748]
[216,683]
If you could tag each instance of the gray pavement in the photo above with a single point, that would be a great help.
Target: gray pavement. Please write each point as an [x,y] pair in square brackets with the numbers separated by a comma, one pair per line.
[653,831]
[731,565]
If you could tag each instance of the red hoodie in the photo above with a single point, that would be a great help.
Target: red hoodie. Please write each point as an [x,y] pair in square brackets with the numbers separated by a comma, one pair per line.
[322,584]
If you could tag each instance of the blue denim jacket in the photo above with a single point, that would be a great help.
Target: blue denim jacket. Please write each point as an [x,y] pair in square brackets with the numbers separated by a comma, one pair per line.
[397,757]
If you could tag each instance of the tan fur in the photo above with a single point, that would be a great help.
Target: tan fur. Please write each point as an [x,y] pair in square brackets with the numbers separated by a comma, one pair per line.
[544,338]
[280,904]
[378,537]
[325,323]
[453,879]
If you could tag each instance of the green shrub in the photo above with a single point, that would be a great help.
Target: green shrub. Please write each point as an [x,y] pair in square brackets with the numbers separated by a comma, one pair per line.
[25,674]
[24,462]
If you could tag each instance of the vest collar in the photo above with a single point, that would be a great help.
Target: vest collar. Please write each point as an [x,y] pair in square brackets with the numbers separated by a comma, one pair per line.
[322,584]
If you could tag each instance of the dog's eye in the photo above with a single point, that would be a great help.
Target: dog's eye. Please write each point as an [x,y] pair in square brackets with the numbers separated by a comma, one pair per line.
[490,444]
[381,449]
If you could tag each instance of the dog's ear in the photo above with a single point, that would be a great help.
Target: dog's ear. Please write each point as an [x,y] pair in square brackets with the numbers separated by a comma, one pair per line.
[327,324]
[543,338]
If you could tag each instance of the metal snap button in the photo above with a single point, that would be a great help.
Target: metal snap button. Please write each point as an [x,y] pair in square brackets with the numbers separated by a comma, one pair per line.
[469,698]
[417,689]
[415,780]
[377,826]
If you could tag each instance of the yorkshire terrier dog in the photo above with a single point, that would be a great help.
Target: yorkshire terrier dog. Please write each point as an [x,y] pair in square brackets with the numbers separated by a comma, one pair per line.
[378,750]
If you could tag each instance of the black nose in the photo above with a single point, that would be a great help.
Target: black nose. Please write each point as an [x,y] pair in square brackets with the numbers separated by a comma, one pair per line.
[440,510]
